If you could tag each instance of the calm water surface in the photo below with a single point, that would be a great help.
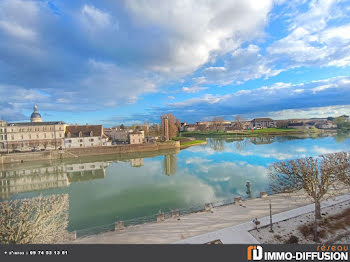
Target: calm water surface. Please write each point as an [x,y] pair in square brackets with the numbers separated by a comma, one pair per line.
[103,190]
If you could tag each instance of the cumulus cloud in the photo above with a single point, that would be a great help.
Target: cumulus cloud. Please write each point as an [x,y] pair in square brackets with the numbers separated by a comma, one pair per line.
[314,39]
[111,53]
[281,100]
[193,89]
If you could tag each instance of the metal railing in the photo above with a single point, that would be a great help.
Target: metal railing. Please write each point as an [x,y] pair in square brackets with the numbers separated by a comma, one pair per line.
[155,218]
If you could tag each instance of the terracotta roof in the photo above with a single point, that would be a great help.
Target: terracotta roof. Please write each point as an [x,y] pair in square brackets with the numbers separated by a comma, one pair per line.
[85,130]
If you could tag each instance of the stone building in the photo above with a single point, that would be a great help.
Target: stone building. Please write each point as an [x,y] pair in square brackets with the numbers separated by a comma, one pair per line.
[165,127]
[85,136]
[263,122]
[31,135]
[136,137]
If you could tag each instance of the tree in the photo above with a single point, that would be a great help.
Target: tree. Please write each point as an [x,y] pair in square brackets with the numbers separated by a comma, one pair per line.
[342,123]
[316,176]
[122,126]
[218,123]
[40,220]
[282,123]
[238,124]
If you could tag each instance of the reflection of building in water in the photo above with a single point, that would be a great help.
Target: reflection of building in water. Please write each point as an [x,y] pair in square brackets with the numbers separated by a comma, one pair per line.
[86,171]
[170,164]
[32,179]
[18,181]
[137,162]
[260,140]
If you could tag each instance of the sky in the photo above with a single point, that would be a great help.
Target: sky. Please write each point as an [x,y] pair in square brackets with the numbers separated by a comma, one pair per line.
[111,62]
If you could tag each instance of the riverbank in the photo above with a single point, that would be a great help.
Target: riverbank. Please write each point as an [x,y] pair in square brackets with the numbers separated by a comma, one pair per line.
[252,133]
[89,151]
[182,227]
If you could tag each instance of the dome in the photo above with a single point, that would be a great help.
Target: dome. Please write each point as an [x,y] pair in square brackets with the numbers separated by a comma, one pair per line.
[35,117]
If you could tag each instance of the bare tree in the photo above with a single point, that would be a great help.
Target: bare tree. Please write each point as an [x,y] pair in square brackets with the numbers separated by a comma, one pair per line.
[38,220]
[218,123]
[316,176]
[238,124]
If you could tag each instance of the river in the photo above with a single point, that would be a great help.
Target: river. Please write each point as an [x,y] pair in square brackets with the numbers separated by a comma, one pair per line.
[104,189]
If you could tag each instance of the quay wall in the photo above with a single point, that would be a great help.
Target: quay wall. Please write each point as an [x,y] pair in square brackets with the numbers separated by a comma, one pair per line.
[89,151]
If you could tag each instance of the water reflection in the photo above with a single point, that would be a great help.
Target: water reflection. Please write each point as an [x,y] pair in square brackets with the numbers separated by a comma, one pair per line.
[27,179]
[170,164]
[103,189]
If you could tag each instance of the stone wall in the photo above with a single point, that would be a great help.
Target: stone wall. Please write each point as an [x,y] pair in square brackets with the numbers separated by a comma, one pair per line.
[81,152]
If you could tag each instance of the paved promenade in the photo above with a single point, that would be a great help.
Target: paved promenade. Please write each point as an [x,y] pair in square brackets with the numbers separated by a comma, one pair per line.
[174,230]
[239,234]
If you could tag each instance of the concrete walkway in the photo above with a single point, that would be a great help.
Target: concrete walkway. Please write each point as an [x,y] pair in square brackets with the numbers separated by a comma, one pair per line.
[196,224]
[239,234]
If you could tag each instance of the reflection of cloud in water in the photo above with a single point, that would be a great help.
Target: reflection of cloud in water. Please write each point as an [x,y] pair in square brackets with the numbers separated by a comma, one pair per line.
[127,192]
[230,178]
[323,150]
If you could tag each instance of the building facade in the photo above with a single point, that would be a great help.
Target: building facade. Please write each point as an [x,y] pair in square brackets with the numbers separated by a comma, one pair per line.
[263,123]
[136,137]
[35,135]
[85,136]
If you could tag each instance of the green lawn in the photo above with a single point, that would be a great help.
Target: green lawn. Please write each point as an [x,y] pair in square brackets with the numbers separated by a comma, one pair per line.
[194,142]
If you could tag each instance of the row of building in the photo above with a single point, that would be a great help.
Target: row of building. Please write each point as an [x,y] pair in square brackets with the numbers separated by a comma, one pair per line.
[259,123]
[39,135]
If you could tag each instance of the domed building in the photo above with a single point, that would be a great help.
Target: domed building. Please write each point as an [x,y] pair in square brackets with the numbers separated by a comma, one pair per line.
[36,117]
[36,134]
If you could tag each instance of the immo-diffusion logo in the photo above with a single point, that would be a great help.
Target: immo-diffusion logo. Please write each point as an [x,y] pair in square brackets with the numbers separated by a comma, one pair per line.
[255,253]
[332,253]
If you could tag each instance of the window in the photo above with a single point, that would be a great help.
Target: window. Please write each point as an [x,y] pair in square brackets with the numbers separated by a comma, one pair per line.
[81,145]
[30,136]
[12,137]
[45,135]
[80,140]
[1,130]
[21,136]
[92,140]
[37,136]
[1,137]
[60,135]
[92,144]
[69,141]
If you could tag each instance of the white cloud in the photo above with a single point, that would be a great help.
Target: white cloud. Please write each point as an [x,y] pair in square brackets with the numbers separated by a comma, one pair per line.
[281,100]
[312,40]
[193,89]
[199,30]
[242,65]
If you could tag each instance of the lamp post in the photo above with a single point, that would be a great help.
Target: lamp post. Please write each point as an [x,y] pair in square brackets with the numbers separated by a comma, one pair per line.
[271,228]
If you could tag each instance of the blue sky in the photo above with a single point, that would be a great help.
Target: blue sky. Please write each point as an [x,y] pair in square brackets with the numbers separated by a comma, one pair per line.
[114,62]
